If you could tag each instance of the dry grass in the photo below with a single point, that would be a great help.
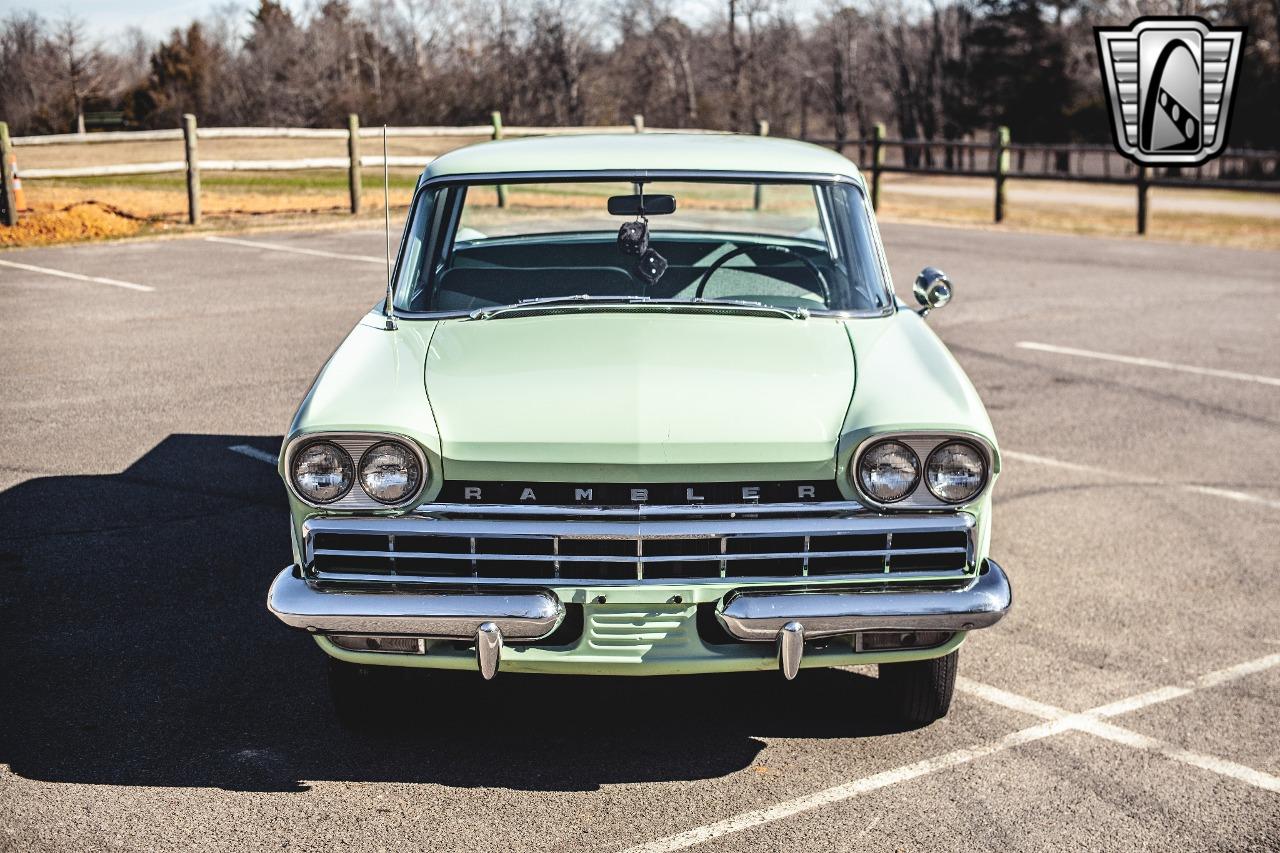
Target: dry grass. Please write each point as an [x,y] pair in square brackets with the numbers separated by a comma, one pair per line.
[77,222]
[1221,229]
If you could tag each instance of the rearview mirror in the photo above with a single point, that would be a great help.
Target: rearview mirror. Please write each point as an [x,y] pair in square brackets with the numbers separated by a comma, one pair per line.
[932,289]
[653,205]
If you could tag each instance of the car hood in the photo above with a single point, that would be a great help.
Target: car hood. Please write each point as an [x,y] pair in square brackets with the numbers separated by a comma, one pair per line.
[640,396]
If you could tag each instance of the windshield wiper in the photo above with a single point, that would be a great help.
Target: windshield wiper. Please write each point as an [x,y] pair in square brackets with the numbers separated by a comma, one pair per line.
[790,313]
[583,298]
[544,301]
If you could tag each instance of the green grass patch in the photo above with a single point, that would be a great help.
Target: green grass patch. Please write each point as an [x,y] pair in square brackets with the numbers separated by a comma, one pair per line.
[310,180]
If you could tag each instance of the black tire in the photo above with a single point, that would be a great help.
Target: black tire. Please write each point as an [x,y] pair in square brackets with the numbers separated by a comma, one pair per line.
[919,692]
[359,694]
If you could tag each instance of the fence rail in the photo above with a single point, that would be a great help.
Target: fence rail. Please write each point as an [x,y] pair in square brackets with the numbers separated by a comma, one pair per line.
[1236,169]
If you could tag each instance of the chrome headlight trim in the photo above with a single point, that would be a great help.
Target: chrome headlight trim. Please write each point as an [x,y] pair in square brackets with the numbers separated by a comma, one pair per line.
[982,457]
[342,452]
[856,469]
[355,444]
[408,495]
[923,442]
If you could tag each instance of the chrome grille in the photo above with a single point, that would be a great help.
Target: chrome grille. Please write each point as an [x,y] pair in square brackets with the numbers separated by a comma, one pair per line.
[658,544]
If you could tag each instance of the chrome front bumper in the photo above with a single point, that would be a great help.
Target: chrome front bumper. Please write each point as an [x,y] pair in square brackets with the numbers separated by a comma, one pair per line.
[485,618]
[789,618]
[488,616]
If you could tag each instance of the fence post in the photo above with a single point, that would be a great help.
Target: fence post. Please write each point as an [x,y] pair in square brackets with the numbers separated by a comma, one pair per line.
[8,207]
[496,118]
[637,122]
[877,160]
[353,165]
[1142,199]
[1001,168]
[193,168]
[762,129]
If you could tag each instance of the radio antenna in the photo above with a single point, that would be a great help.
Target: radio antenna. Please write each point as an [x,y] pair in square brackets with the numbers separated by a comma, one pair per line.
[388,315]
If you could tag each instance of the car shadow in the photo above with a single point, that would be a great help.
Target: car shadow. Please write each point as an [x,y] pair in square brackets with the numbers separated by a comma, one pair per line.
[138,651]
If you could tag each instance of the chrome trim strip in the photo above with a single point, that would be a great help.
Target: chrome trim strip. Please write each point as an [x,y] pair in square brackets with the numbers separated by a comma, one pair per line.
[642,528]
[445,614]
[641,559]
[643,510]
[874,578]
[760,616]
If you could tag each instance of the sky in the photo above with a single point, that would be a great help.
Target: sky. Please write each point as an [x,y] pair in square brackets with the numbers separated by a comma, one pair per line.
[108,18]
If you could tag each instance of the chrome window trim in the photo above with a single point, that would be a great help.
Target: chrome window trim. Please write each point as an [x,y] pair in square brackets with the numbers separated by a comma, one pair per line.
[915,501]
[426,184]
[363,500]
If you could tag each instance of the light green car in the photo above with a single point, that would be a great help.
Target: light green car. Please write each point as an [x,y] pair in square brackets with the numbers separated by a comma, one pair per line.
[642,404]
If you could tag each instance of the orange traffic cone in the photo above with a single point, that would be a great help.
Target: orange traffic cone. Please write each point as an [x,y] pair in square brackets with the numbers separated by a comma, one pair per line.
[19,197]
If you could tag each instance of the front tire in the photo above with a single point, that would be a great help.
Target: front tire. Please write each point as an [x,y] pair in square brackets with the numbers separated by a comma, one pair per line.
[919,692]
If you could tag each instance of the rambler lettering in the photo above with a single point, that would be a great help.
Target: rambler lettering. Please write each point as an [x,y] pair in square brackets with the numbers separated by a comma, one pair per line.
[623,494]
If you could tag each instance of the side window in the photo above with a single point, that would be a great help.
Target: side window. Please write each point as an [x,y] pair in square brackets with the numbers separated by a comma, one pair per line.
[415,239]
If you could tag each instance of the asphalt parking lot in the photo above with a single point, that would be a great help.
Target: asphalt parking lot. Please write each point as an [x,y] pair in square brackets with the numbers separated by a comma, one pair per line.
[1129,700]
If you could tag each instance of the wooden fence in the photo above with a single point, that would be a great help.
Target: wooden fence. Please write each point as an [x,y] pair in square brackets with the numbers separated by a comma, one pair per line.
[999,160]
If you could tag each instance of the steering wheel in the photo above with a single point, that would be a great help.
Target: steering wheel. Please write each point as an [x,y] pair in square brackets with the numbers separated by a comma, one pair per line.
[747,250]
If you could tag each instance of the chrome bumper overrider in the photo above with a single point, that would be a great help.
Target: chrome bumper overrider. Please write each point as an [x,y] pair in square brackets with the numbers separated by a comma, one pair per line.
[789,618]
[486,618]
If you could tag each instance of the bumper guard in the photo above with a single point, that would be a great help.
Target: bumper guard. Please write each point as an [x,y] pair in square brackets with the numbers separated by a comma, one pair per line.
[789,618]
[485,618]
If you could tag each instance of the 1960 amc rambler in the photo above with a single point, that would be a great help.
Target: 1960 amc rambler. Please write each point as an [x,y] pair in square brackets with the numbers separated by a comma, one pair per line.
[643,405]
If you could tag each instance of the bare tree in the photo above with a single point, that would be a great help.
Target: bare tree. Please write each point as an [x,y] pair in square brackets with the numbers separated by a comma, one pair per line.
[80,65]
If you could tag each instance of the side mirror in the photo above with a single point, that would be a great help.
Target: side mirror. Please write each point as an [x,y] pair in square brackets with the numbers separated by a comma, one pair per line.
[932,289]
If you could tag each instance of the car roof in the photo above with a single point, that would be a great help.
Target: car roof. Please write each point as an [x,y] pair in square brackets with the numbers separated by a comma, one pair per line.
[629,153]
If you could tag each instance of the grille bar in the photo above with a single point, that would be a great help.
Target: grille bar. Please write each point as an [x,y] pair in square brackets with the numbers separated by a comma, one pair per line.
[682,544]
[639,559]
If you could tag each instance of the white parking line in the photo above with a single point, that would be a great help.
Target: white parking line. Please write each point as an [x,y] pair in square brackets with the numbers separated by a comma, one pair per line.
[1057,721]
[1091,722]
[1151,362]
[95,279]
[746,820]
[253,453]
[297,250]
[1139,479]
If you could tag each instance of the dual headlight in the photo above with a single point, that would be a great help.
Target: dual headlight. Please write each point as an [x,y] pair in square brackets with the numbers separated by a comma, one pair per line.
[323,472]
[889,471]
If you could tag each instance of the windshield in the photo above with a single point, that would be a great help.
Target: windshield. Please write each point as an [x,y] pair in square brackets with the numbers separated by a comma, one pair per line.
[788,245]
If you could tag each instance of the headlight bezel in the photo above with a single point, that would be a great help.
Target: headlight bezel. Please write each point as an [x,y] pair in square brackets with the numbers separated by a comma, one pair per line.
[293,471]
[417,487]
[915,482]
[356,444]
[982,459]
[923,442]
